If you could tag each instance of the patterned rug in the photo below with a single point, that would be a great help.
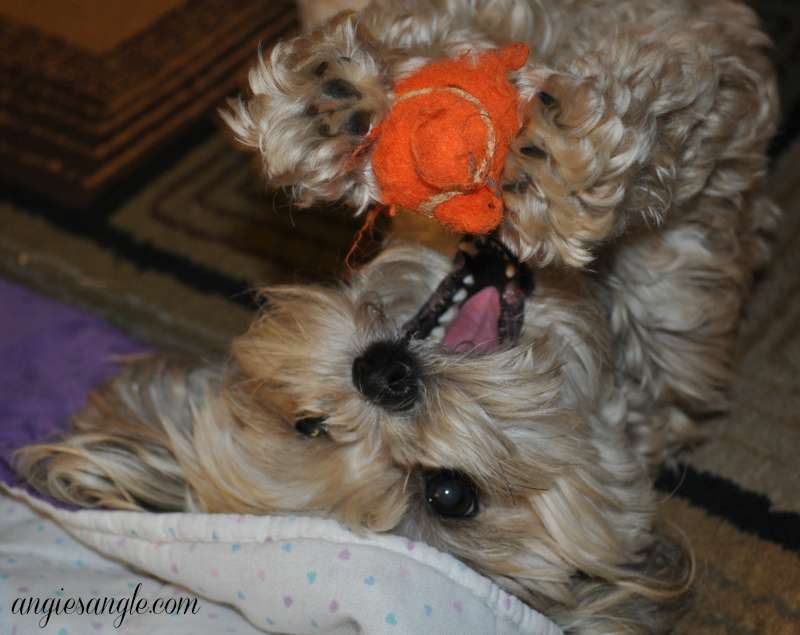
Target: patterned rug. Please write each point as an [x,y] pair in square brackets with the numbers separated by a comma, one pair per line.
[90,90]
[177,264]
[174,254]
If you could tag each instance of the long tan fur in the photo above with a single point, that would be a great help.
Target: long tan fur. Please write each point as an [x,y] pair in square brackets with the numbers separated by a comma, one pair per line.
[568,514]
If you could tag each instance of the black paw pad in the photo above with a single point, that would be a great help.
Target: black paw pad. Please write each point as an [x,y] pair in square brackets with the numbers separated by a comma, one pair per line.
[358,123]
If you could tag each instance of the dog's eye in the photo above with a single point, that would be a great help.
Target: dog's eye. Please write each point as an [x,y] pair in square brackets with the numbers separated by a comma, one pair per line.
[451,494]
[311,427]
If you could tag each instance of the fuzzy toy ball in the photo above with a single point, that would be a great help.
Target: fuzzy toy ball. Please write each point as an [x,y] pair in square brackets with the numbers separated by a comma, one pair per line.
[440,150]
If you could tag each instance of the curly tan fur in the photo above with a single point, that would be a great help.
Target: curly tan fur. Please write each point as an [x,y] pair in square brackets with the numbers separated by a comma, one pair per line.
[642,156]
[647,106]
[567,513]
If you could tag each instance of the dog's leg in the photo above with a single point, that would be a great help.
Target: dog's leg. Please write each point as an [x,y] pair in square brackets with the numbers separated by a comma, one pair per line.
[132,445]
[313,100]
[675,301]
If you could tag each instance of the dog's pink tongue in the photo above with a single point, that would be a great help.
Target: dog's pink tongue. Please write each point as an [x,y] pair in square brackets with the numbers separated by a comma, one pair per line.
[476,323]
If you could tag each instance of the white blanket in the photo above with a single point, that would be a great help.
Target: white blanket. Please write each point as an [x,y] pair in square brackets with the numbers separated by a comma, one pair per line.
[280,575]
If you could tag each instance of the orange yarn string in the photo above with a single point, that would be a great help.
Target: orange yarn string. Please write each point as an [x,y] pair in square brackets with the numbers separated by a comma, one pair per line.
[369,225]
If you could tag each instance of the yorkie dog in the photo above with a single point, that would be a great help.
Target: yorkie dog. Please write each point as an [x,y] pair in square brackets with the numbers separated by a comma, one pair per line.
[476,408]
[508,413]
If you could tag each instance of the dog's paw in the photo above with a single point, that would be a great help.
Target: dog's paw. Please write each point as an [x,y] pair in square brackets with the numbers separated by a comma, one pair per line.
[314,98]
[561,184]
[342,105]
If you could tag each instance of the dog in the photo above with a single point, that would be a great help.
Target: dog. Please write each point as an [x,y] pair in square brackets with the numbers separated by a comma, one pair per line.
[473,406]
[509,410]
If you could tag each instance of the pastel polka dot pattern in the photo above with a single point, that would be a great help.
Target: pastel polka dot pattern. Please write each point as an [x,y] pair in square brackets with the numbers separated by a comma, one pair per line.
[280,575]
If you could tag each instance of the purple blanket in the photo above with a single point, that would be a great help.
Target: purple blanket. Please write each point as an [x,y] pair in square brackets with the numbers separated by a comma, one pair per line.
[50,356]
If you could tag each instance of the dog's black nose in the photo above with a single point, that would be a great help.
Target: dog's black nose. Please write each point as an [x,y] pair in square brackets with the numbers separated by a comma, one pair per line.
[387,374]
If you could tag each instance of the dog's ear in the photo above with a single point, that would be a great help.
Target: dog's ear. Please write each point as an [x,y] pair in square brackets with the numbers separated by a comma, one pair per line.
[130,445]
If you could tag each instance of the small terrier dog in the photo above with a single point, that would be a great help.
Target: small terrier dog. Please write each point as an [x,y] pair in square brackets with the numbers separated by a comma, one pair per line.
[507,413]
[476,408]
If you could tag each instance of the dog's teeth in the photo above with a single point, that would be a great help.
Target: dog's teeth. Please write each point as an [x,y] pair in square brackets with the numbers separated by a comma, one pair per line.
[469,280]
[438,333]
[511,270]
[448,316]
[460,295]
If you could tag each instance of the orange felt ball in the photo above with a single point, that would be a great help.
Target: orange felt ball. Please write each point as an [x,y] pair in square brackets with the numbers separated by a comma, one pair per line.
[448,143]
[485,211]
[440,150]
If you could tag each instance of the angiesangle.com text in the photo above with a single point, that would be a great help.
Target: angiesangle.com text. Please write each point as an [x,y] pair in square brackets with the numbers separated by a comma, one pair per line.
[122,606]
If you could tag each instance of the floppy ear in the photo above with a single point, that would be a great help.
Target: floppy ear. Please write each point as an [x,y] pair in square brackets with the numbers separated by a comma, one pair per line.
[129,447]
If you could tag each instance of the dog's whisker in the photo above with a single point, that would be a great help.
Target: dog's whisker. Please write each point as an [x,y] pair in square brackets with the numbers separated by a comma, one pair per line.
[405,481]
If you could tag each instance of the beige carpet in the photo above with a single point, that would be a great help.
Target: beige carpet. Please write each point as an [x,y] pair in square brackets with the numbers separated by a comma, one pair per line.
[177,263]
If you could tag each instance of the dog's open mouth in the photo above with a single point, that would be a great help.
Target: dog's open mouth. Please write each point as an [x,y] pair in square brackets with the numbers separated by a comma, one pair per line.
[480,304]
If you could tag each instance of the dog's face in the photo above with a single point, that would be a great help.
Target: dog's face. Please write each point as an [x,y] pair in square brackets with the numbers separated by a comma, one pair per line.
[418,400]
[491,451]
